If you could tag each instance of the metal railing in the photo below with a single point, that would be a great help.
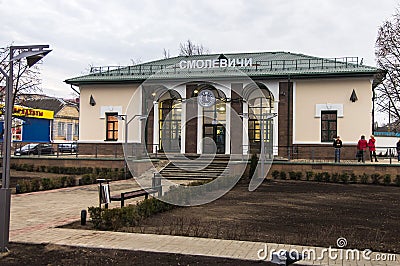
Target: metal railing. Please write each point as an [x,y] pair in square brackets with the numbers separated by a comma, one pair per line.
[259,65]
[293,153]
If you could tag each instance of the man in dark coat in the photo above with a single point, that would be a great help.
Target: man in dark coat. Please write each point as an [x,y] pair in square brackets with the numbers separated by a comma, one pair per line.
[337,144]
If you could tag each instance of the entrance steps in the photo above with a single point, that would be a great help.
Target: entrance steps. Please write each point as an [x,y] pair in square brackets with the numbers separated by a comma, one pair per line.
[195,167]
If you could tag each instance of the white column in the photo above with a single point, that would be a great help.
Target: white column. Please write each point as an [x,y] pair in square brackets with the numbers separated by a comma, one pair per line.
[245,141]
[199,129]
[183,128]
[228,128]
[275,129]
[156,129]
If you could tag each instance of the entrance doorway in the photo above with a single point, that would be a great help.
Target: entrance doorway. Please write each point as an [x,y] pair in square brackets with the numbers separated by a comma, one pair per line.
[214,139]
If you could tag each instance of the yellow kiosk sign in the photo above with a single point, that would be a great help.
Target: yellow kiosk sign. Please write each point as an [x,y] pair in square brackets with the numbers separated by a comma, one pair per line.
[31,112]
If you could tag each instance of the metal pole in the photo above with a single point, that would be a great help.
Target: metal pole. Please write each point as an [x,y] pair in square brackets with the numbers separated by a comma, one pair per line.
[5,192]
[126,147]
[126,133]
[262,145]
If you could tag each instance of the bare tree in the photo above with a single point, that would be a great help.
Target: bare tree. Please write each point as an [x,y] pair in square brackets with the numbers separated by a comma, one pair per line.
[387,51]
[136,61]
[166,53]
[26,79]
[190,48]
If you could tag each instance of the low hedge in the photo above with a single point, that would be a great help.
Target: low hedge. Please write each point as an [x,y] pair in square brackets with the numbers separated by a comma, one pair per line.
[131,215]
[36,184]
[345,178]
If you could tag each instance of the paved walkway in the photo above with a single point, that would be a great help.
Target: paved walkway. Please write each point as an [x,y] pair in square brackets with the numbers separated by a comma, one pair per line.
[35,216]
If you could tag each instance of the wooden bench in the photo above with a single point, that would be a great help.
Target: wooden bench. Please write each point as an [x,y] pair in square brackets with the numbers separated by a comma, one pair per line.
[133,194]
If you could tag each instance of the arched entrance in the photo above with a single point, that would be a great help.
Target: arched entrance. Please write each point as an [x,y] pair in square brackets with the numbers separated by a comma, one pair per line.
[169,128]
[214,118]
[260,125]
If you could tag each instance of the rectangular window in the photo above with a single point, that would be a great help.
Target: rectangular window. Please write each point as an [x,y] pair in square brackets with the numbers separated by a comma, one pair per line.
[76,130]
[328,125]
[61,129]
[112,126]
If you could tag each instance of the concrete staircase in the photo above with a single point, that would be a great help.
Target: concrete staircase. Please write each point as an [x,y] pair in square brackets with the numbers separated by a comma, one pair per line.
[195,168]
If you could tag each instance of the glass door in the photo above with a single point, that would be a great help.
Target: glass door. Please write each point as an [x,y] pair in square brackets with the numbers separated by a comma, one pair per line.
[213,139]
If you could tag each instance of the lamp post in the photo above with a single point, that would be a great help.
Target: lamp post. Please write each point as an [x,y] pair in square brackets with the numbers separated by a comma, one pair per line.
[127,122]
[33,54]
[263,118]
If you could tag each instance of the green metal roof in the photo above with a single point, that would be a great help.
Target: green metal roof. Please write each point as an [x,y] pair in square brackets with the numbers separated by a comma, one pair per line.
[264,65]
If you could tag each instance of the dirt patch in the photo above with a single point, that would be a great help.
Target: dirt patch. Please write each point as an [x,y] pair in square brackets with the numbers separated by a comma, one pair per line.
[292,212]
[23,254]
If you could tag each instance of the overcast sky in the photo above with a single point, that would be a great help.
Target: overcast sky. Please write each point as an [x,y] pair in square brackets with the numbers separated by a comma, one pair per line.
[101,33]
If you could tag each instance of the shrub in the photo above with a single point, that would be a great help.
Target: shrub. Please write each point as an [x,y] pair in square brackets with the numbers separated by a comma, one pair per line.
[299,175]
[282,175]
[275,174]
[95,216]
[46,183]
[56,183]
[87,179]
[318,177]
[292,175]
[387,179]
[335,178]
[364,178]
[309,175]
[326,177]
[35,184]
[70,182]
[376,178]
[27,167]
[113,219]
[353,178]
[63,181]
[397,180]
[344,178]
[24,186]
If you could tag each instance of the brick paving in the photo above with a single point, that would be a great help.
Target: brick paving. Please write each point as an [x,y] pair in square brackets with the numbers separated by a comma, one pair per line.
[35,217]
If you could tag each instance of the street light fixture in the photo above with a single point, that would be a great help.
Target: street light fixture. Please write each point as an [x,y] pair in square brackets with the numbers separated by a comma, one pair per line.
[124,117]
[33,54]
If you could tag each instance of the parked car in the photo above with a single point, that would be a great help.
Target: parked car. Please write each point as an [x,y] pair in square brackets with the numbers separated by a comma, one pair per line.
[35,148]
[67,147]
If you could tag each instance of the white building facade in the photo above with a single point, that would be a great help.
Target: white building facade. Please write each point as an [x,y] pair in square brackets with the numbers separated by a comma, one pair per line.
[229,104]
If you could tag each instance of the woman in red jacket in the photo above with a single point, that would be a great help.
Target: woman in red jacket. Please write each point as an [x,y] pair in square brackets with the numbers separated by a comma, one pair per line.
[361,147]
[371,147]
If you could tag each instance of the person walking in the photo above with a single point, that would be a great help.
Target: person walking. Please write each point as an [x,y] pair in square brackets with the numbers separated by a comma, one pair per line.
[372,148]
[361,147]
[337,144]
[398,150]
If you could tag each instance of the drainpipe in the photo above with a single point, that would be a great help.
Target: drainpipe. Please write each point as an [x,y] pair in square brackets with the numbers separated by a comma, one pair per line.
[373,110]
[77,92]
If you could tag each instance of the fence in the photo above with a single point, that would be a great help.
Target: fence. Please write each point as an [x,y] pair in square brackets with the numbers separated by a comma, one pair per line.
[310,153]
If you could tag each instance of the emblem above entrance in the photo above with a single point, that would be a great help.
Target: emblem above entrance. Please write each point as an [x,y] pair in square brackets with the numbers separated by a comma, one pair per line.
[206,98]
